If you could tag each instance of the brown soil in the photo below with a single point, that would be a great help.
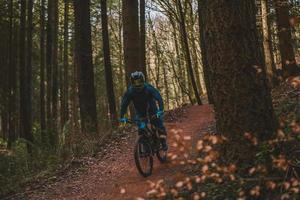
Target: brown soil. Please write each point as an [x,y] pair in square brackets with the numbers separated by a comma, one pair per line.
[116,171]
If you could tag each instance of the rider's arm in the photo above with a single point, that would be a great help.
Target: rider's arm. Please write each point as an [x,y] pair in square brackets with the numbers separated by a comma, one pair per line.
[125,102]
[157,97]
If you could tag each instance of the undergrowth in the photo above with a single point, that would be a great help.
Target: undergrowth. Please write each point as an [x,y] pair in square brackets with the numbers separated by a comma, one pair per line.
[19,169]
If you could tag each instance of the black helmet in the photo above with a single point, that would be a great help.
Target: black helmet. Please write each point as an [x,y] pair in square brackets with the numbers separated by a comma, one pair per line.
[137,80]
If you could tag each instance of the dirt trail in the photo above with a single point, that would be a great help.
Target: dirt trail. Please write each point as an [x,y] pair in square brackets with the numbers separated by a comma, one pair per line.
[104,179]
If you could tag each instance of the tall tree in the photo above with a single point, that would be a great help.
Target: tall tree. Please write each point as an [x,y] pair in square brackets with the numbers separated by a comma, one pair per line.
[206,69]
[130,20]
[131,42]
[84,64]
[25,72]
[289,65]
[242,99]
[107,64]
[143,37]
[54,62]
[42,73]
[22,65]
[65,83]
[267,44]
[187,50]
[12,113]
[29,135]
[49,58]
[52,71]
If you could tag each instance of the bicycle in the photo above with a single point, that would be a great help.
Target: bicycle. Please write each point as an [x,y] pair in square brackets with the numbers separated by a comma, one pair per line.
[147,146]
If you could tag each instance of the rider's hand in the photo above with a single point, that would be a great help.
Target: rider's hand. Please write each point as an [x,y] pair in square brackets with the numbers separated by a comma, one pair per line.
[123,120]
[159,113]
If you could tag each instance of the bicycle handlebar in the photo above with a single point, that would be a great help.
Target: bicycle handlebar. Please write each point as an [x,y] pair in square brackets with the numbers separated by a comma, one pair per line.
[132,121]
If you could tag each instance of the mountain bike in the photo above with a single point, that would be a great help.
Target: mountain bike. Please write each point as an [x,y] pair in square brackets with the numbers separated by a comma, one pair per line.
[148,145]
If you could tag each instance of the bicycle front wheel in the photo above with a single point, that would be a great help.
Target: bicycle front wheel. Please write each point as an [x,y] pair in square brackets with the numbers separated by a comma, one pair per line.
[161,155]
[143,157]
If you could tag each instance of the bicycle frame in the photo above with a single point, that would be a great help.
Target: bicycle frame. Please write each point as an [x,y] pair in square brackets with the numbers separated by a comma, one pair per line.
[151,133]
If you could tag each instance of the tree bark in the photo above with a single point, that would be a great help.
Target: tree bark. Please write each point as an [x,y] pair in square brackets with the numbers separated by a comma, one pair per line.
[55,75]
[206,68]
[12,113]
[22,65]
[166,88]
[28,79]
[157,54]
[269,60]
[49,58]
[187,51]
[107,64]
[42,74]
[65,75]
[131,37]
[83,60]
[241,96]
[143,38]
[289,65]
[131,44]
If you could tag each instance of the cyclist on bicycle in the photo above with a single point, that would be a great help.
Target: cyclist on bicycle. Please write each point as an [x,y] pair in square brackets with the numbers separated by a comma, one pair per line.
[145,98]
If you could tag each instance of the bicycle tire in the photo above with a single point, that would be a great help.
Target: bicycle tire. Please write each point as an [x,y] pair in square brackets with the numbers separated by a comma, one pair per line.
[137,149]
[162,159]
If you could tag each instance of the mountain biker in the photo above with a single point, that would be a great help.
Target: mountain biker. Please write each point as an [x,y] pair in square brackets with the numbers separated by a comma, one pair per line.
[144,98]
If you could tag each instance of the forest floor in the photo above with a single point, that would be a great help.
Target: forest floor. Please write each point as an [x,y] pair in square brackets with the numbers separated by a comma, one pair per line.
[113,175]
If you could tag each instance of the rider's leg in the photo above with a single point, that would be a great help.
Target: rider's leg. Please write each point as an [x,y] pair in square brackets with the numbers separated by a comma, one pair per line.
[158,123]
[142,130]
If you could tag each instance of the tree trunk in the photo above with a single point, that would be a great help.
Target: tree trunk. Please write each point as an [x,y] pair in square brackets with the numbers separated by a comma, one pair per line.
[42,74]
[143,38]
[269,60]
[157,55]
[289,65]
[49,58]
[242,99]
[178,62]
[28,79]
[206,68]
[107,64]
[65,75]
[131,44]
[166,88]
[131,36]
[22,66]
[55,74]
[83,60]
[12,118]
[187,52]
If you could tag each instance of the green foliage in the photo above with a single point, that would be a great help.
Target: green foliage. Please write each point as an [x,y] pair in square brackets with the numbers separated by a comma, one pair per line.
[13,167]
[18,167]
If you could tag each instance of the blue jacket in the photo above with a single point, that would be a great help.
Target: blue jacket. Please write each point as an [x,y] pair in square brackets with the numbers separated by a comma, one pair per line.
[144,101]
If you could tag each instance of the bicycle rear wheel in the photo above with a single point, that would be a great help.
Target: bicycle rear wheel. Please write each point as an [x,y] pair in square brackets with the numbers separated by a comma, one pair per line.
[143,157]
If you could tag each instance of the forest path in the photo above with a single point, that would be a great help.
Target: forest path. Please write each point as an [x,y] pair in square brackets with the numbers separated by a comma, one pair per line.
[104,179]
